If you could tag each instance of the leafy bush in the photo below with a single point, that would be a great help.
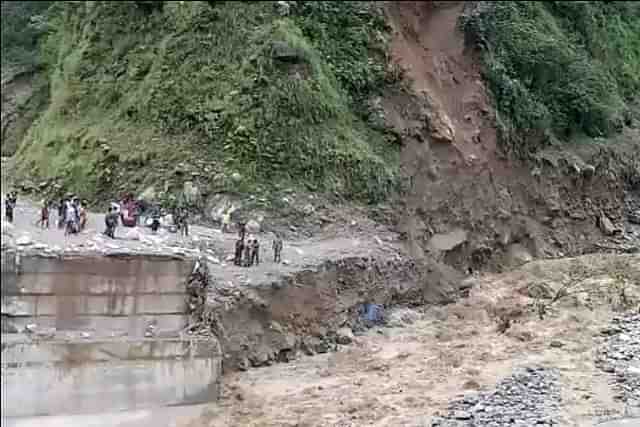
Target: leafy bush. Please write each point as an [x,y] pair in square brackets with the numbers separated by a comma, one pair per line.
[558,68]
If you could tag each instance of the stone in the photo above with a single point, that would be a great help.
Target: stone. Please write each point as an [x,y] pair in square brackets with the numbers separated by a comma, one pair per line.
[462,415]
[443,242]
[518,255]
[556,344]
[133,234]
[24,240]
[344,336]
[438,122]
[606,225]
[236,177]
[588,171]
[308,209]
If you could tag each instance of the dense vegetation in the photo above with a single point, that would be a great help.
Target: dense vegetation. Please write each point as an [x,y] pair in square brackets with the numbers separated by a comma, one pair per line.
[21,25]
[559,69]
[241,94]
[248,96]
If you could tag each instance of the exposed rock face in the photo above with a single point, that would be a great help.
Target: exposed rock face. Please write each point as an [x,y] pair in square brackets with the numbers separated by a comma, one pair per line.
[22,99]
[312,310]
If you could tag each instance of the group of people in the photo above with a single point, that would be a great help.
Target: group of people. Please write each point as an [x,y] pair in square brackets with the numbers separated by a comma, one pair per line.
[247,253]
[72,214]
[9,205]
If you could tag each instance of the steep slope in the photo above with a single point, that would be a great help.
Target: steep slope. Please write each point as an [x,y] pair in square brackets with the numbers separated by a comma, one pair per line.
[157,93]
[23,85]
[467,202]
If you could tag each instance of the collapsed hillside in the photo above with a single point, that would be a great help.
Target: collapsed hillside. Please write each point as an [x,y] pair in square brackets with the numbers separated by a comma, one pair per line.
[489,159]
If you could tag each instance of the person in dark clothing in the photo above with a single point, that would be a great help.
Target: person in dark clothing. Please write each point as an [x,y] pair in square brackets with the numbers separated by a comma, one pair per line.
[111,221]
[277,249]
[155,220]
[242,230]
[9,206]
[237,259]
[184,222]
[61,213]
[255,252]
[44,215]
[247,253]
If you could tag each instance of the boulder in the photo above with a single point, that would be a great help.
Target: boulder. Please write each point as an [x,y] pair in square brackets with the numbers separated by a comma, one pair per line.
[24,240]
[437,121]
[443,242]
[518,255]
[133,234]
[588,171]
[606,225]
[344,336]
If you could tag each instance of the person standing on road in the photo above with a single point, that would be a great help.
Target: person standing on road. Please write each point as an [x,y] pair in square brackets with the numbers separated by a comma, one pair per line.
[71,216]
[247,252]
[242,230]
[82,214]
[255,252]
[277,249]
[9,206]
[184,222]
[237,259]
[155,219]
[111,222]
[44,214]
[61,212]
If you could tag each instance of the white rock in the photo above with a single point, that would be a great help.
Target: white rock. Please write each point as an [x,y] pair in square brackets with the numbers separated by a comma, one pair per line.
[133,234]
[24,240]
[344,336]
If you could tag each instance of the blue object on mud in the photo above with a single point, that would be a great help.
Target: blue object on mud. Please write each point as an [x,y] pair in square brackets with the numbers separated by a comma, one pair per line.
[372,314]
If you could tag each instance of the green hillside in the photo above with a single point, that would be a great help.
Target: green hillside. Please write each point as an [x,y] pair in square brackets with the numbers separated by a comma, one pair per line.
[559,69]
[234,93]
[255,96]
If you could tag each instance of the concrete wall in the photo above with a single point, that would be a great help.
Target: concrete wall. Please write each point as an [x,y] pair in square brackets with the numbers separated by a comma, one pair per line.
[52,378]
[99,294]
[110,366]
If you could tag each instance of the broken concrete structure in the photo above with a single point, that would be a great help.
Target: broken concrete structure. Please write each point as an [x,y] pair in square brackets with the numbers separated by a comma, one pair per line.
[91,334]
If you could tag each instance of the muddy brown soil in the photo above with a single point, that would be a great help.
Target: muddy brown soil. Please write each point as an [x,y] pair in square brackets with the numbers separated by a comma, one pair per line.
[490,210]
[405,374]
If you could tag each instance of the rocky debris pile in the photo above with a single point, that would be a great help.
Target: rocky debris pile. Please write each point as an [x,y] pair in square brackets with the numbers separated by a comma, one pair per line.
[619,356]
[529,397]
